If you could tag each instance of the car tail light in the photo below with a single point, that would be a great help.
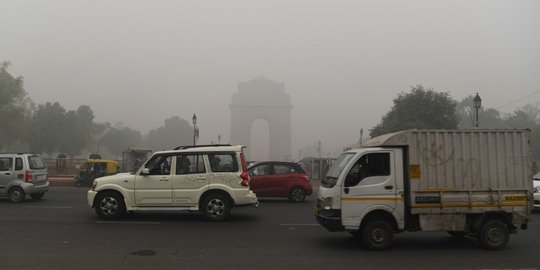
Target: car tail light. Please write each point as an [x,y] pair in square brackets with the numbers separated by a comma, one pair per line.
[27,177]
[244,175]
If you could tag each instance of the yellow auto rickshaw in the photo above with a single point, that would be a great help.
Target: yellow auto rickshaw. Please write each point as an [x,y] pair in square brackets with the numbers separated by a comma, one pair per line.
[95,168]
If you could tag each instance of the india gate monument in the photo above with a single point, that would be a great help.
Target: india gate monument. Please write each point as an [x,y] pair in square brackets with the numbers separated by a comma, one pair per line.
[263,99]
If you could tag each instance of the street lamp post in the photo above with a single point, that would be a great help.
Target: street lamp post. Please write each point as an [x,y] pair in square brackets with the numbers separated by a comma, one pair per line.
[477,103]
[194,127]
[219,138]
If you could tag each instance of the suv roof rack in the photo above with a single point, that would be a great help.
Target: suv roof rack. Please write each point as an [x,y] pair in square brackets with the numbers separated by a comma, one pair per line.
[197,146]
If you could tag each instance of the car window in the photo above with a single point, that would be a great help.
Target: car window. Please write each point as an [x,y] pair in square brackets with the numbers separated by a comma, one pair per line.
[6,164]
[282,169]
[374,164]
[18,164]
[223,162]
[159,165]
[189,164]
[36,162]
[262,170]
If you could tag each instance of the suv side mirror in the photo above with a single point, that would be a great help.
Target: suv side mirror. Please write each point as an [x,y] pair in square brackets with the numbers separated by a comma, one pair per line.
[145,171]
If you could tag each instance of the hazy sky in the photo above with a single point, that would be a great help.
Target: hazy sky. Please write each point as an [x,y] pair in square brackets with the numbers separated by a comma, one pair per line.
[342,62]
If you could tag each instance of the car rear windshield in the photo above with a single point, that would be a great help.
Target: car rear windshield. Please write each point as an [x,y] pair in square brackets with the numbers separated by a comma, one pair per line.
[36,162]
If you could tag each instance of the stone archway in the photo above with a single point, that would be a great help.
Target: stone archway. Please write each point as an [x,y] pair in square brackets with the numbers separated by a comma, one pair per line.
[262,98]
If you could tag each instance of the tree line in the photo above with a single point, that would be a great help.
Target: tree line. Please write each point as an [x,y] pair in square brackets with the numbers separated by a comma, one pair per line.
[50,128]
[425,108]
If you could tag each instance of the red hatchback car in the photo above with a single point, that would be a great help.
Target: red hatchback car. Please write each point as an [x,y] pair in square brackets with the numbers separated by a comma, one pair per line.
[280,179]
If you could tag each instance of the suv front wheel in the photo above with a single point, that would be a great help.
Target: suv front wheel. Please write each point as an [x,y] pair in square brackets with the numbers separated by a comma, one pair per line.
[109,205]
[216,207]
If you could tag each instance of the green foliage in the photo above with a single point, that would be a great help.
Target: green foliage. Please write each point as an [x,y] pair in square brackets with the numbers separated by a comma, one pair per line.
[77,130]
[13,107]
[118,139]
[46,128]
[421,109]
[53,129]
[175,132]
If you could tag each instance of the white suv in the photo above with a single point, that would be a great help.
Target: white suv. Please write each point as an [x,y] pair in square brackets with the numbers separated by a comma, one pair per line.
[211,179]
[23,174]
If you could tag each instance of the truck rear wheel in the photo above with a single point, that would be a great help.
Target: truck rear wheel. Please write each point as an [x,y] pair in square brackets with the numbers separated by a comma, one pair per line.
[493,235]
[377,235]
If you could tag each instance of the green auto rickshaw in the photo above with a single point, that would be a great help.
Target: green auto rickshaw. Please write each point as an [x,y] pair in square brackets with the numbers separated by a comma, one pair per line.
[95,168]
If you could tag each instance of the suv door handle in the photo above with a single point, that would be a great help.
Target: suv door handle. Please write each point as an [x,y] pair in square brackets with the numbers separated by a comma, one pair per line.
[7,173]
[388,187]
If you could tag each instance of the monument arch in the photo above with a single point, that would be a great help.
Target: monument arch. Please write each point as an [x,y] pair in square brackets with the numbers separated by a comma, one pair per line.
[262,98]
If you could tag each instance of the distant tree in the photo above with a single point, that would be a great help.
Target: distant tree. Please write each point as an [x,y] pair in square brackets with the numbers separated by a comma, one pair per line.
[77,131]
[420,108]
[14,104]
[46,128]
[118,138]
[175,132]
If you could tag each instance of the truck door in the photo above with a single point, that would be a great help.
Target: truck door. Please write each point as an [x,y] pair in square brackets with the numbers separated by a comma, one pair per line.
[370,183]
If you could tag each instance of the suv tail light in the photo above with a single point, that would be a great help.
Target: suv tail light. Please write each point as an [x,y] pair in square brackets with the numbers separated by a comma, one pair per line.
[244,175]
[27,177]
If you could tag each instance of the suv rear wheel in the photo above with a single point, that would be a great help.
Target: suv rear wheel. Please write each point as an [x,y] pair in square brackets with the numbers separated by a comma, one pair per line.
[216,207]
[16,194]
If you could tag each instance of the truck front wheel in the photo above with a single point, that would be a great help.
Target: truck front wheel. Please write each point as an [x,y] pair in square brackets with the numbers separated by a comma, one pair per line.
[377,235]
[493,235]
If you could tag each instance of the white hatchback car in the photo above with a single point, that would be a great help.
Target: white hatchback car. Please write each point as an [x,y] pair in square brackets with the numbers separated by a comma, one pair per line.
[211,179]
[23,174]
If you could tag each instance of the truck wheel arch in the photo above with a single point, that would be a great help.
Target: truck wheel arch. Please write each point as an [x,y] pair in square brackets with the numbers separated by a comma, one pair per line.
[380,215]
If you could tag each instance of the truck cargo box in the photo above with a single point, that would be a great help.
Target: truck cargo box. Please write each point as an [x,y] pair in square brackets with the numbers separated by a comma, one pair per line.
[465,171]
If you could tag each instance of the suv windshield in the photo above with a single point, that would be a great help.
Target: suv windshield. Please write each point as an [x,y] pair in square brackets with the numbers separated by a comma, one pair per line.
[335,170]
[36,162]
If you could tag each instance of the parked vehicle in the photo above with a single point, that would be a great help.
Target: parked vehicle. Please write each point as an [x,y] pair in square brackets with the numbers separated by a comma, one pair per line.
[465,182]
[536,190]
[95,168]
[23,174]
[280,179]
[210,179]
[133,158]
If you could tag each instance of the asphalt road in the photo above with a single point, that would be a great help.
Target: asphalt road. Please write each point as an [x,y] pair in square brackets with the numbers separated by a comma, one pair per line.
[61,232]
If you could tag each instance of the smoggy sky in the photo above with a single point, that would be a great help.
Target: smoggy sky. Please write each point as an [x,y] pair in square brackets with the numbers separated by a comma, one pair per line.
[342,62]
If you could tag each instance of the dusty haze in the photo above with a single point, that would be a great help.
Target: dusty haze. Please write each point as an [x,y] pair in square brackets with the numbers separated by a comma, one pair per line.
[342,62]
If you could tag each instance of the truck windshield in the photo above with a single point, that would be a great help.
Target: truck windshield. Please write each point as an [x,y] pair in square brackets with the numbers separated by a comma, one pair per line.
[335,170]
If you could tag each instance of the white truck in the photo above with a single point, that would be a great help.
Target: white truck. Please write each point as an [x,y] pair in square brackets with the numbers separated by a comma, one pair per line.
[466,182]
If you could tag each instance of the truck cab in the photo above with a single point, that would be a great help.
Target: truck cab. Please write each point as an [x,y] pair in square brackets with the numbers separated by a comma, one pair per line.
[361,183]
